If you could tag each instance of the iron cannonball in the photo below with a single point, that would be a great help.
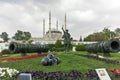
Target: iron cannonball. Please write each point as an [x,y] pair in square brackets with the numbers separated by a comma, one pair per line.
[45,61]
[50,56]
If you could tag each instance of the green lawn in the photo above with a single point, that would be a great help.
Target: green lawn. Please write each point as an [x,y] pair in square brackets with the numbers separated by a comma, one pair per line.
[69,61]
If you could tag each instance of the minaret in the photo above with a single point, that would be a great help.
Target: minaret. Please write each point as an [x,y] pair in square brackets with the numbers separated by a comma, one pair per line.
[57,25]
[65,22]
[50,24]
[43,28]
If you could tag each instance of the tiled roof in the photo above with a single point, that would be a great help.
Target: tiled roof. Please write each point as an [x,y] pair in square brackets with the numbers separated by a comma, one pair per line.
[118,37]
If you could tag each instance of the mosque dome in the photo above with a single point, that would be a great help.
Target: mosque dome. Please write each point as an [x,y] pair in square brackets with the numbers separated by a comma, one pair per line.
[54,30]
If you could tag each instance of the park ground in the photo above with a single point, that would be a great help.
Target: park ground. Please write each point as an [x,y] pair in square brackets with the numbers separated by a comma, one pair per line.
[70,61]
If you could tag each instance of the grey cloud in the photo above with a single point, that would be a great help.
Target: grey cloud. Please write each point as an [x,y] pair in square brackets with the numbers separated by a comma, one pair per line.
[83,16]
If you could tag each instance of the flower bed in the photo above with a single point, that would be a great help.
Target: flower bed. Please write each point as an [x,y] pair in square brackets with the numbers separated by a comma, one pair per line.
[7,73]
[72,75]
[117,72]
[101,59]
[58,75]
[25,57]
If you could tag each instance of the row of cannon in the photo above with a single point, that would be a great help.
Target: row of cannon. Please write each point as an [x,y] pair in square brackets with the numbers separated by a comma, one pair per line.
[112,45]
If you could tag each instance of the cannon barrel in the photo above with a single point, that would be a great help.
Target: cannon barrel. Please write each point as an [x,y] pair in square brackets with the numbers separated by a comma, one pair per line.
[112,45]
[15,47]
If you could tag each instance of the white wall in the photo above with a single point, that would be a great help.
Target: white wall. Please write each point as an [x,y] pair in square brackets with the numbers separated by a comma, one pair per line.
[4,46]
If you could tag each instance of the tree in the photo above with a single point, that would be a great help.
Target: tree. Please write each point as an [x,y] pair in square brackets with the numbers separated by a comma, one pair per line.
[107,33]
[80,38]
[20,35]
[117,31]
[4,36]
[88,38]
[98,36]
[112,34]
[27,35]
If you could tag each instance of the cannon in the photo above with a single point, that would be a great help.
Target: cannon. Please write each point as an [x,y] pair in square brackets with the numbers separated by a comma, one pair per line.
[15,47]
[105,47]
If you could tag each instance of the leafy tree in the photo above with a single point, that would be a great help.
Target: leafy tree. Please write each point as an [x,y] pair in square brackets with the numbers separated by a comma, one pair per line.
[88,38]
[112,34]
[80,38]
[4,36]
[20,35]
[117,31]
[30,41]
[98,36]
[27,35]
[108,34]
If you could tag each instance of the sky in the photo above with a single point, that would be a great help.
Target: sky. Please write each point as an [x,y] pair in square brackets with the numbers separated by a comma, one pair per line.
[83,16]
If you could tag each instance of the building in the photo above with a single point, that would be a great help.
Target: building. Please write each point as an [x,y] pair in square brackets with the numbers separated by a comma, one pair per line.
[4,46]
[1,40]
[118,37]
[52,35]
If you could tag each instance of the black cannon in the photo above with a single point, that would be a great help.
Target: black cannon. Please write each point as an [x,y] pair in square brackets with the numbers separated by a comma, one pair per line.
[15,47]
[105,47]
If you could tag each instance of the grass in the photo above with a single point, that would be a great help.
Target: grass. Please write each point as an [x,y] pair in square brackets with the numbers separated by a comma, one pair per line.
[69,62]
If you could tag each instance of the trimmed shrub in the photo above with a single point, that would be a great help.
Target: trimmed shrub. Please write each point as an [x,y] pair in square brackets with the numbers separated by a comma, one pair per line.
[58,49]
[81,47]
[58,44]
[5,51]
[51,46]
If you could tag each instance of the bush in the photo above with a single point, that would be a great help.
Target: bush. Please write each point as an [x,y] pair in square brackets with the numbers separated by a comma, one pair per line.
[58,49]
[5,51]
[58,44]
[81,47]
[51,46]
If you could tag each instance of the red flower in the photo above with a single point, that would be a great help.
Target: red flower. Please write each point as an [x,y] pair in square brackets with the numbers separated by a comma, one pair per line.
[25,57]
[117,71]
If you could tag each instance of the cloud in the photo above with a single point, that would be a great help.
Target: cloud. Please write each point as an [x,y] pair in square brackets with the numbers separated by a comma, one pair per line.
[83,16]
[88,15]
[20,17]
[69,5]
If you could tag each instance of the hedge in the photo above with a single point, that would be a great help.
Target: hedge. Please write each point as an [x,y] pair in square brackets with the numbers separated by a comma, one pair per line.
[81,47]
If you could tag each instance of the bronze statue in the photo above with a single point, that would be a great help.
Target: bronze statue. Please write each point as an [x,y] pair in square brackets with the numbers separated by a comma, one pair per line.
[67,39]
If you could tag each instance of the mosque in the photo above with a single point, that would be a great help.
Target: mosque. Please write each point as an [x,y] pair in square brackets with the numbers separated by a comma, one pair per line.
[53,34]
